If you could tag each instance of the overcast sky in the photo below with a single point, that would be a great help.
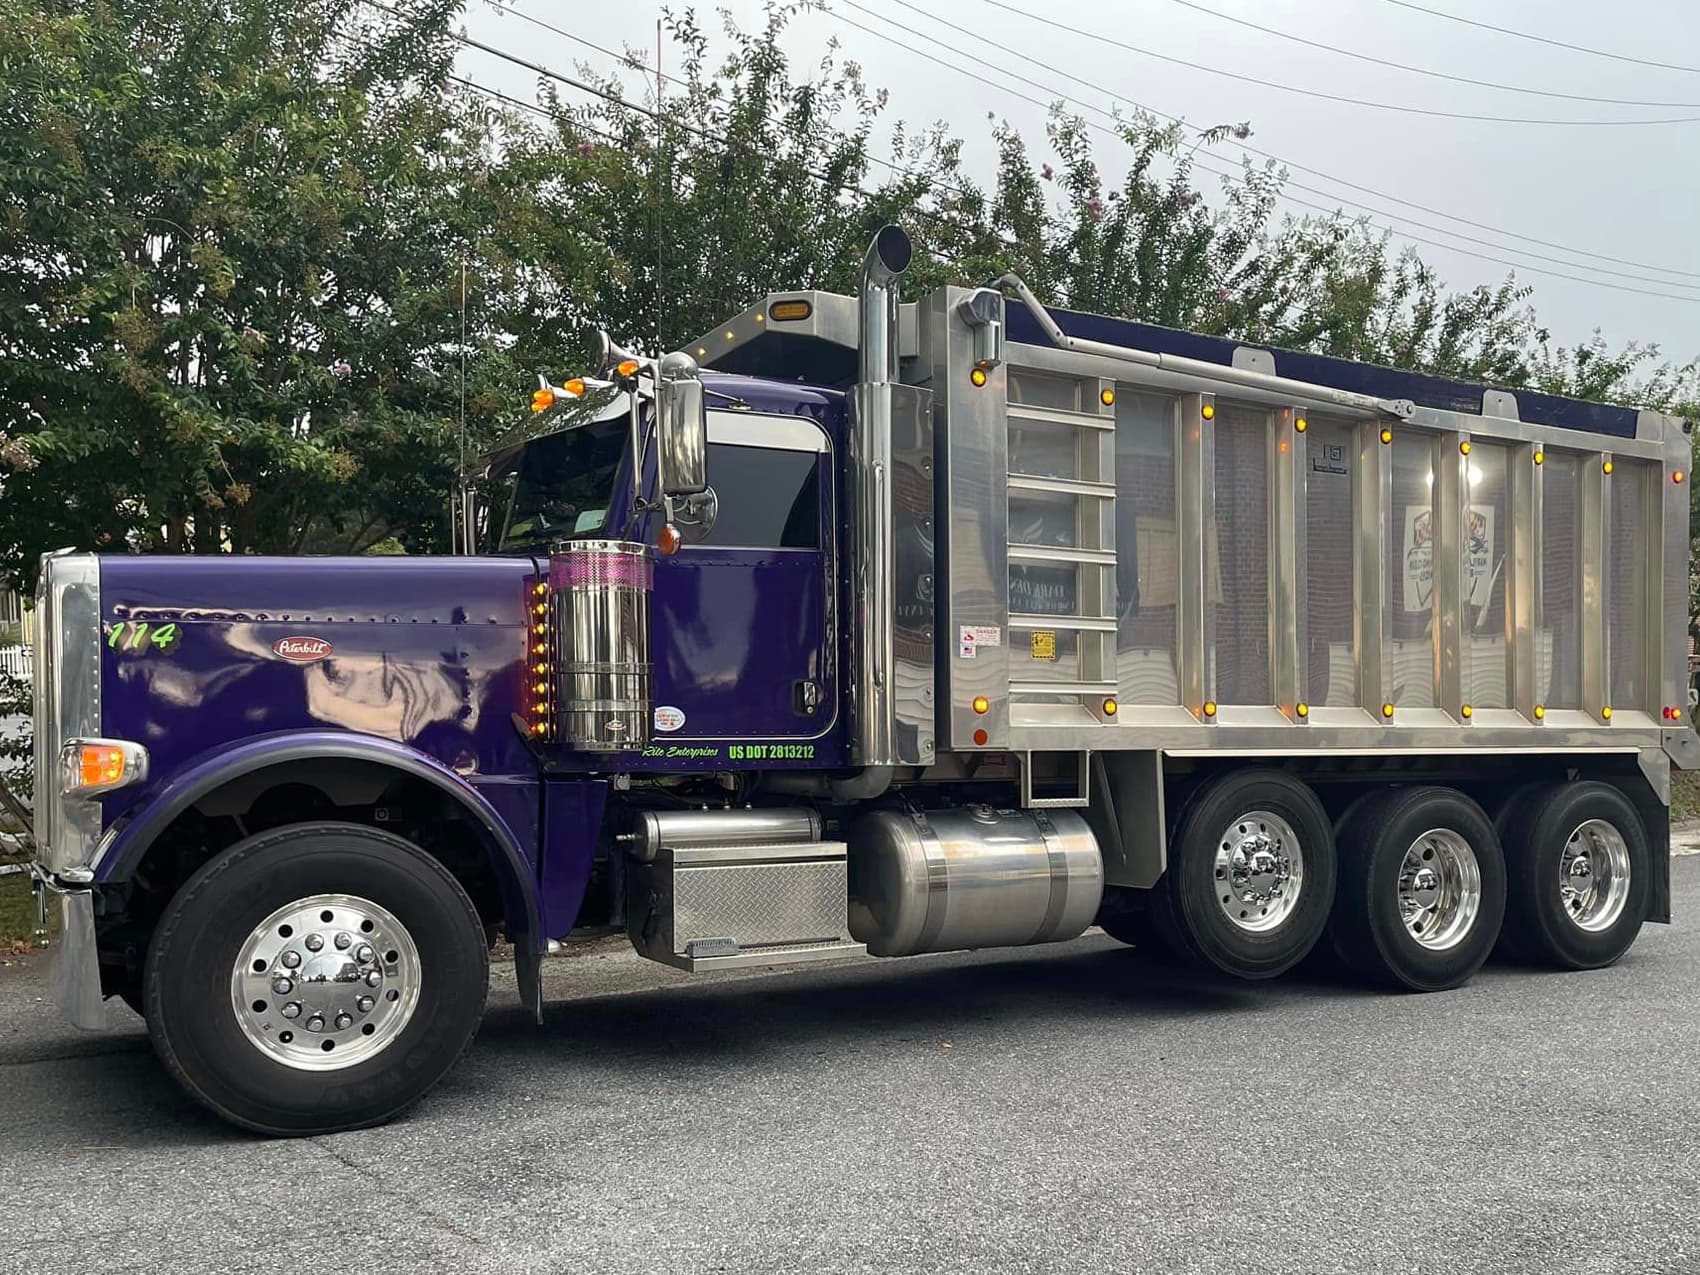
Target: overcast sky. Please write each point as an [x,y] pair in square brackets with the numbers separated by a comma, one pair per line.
[1631,193]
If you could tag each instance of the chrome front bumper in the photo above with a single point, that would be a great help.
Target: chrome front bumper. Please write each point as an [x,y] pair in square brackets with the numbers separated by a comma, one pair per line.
[76,970]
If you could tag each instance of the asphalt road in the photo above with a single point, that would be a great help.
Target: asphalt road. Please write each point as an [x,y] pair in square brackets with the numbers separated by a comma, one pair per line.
[1073,1108]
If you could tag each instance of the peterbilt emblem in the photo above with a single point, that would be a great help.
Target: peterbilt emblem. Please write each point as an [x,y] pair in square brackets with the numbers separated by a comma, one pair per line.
[301,650]
[614,726]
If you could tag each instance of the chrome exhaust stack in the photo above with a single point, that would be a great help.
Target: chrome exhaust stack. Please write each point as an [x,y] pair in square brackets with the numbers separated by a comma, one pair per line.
[873,540]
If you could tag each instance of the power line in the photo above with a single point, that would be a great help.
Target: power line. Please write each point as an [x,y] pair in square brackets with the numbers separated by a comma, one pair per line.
[1332,97]
[1515,265]
[1028,59]
[963,192]
[1541,39]
[627,59]
[1327,176]
[1419,70]
[725,143]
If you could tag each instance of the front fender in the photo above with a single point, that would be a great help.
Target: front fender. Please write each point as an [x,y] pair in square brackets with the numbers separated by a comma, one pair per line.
[125,843]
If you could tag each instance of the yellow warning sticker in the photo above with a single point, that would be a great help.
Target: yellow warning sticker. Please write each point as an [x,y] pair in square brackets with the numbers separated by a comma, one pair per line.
[1044,644]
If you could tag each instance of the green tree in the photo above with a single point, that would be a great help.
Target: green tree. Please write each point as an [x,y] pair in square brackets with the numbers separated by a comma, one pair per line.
[230,236]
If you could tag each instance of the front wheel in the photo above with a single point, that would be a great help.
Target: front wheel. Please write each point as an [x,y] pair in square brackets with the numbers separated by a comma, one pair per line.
[315,978]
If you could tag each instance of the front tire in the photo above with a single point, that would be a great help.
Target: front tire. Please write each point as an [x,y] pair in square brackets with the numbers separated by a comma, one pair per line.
[315,978]
[1579,867]
[1422,889]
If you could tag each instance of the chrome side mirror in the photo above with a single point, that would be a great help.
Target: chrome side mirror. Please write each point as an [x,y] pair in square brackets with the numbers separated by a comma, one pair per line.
[681,427]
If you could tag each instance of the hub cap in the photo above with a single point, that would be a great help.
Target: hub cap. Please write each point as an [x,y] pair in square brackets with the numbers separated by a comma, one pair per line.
[1260,870]
[325,982]
[1440,889]
[1593,875]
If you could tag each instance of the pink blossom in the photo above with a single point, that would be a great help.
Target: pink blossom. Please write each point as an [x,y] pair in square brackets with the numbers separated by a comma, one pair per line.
[341,368]
[587,148]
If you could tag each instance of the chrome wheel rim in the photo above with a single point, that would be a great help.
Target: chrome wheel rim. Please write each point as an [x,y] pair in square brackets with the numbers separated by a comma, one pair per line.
[1593,876]
[1259,871]
[1440,889]
[325,982]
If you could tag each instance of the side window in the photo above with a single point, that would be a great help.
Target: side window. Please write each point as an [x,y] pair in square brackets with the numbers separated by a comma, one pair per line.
[764,498]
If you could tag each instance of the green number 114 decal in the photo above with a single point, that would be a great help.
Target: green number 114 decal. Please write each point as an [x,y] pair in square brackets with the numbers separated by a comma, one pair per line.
[139,637]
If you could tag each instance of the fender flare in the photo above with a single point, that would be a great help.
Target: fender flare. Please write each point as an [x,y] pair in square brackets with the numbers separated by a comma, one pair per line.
[127,841]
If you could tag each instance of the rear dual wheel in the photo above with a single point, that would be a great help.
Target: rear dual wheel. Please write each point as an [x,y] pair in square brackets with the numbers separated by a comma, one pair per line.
[1250,876]
[1580,868]
[1422,889]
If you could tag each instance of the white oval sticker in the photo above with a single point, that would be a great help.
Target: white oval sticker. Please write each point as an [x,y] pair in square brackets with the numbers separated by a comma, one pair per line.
[668,718]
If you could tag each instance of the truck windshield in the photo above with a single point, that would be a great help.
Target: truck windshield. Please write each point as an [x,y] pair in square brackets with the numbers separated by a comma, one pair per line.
[564,484]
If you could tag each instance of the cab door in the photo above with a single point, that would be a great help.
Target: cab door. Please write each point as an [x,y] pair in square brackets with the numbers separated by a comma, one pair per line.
[742,628]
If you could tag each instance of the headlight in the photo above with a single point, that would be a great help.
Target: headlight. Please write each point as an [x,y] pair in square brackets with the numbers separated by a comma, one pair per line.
[67,703]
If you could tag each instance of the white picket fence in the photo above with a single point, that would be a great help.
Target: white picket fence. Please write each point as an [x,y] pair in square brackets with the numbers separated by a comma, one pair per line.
[19,661]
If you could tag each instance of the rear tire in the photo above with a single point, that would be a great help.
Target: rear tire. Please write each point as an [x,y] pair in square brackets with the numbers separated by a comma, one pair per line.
[1422,889]
[315,978]
[1251,875]
[1580,866]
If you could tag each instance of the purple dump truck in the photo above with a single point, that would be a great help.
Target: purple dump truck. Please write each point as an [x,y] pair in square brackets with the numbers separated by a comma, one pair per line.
[867,627]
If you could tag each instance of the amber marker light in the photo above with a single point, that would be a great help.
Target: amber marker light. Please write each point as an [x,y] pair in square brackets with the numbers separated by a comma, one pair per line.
[668,539]
[1387,710]
[790,311]
[1301,425]
[626,367]
[1676,714]
[1208,411]
[978,377]
[982,704]
[1110,707]
[1676,475]
[574,387]
[1386,437]
[542,400]
[1605,713]
[1540,458]
[1466,712]
[1210,708]
[1464,448]
[1107,397]
[1303,710]
[1606,468]
[1540,712]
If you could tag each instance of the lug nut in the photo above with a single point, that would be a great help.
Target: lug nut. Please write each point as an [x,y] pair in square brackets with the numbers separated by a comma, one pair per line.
[290,960]
[315,1024]
[343,941]
[283,986]
[344,1021]
[374,977]
[363,953]
[364,1004]
[291,1010]
[315,942]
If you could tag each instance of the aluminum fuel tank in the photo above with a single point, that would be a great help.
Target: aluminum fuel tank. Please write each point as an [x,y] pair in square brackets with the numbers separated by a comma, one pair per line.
[944,880]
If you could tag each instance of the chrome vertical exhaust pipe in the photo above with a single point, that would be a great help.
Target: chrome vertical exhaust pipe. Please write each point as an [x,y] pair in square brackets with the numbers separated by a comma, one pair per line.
[874,566]
[887,258]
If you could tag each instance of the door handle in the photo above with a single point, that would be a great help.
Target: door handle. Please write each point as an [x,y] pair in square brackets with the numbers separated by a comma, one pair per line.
[805,698]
